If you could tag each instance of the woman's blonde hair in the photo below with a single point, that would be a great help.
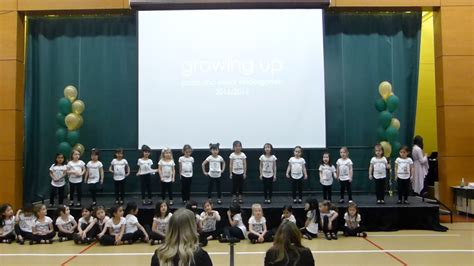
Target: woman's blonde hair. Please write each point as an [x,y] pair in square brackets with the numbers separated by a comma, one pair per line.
[162,155]
[181,239]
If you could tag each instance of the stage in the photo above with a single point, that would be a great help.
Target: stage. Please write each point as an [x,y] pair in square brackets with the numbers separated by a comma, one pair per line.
[387,217]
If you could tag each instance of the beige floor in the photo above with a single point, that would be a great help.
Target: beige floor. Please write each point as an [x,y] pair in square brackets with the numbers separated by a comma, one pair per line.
[455,247]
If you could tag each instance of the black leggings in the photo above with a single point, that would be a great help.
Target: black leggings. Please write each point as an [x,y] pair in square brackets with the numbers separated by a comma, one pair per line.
[297,185]
[403,188]
[267,187]
[346,185]
[212,181]
[108,240]
[326,225]
[146,185]
[267,237]
[154,235]
[233,232]
[59,191]
[380,188]
[73,187]
[93,190]
[166,187]
[25,235]
[91,233]
[135,236]
[306,232]
[119,189]
[237,184]
[69,236]
[185,188]
[327,192]
[49,236]
[11,236]
[352,232]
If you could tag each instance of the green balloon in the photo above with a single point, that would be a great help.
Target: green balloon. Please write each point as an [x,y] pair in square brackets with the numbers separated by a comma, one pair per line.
[396,148]
[64,148]
[381,134]
[73,137]
[61,134]
[391,133]
[380,105]
[392,103]
[385,118]
[60,119]
[64,106]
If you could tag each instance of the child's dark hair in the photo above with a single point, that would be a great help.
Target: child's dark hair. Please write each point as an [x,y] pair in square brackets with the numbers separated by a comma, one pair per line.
[118,150]
[298,147]
[236,143]
[95,151]
[192,206]
[131,207]
[98,208]
[145,148]
[313,204]
[29,208]
[418,140]
[187,147]
[60,209]
[327,204]
[329,155]
[158,208]
[56,159]
[353,205]
[288,208]
[271,148]
[3,209]
[72,153]
[405,148]
[214,146]
[206,202]
[88,208]
[235,208]
[114,210]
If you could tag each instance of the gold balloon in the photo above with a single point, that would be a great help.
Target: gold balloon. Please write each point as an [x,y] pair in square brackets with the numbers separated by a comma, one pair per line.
[70,92]
[385,89]
[79,147]
[72,121]
[81,121]
[78,106]
[387,148]
[395,123]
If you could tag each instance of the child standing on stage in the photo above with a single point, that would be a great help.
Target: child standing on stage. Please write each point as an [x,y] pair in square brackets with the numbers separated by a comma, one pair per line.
[404,170]
[328,218]
[25,221]
[378,171]
[57,172]
[43,230]
[75,170]
[94,174]
[327,172]
[134,231]
[160,223]
[297,168]
[268,171]
[113,231]
[238,171]
[258,232]
[310,229]
[120,168]
[144,172]
[209,219]
[186,172]
[216,168]
[344,173]
[66,224]
[7,224]
[167,174]
[352,221]
[87,227]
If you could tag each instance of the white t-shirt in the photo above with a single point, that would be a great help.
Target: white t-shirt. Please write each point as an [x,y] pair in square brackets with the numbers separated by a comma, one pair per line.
[145,166]
[380,167]
[313,225]
[119,168]
[257,226]
[27,223]
[352,222]
[209,222]
[291,219]
[115,227]
[329,214]
[215,166]
[267,165]
[43,227]
[240,224]
[131,223]
[59,172]
[93,168]
[162,223]
[238,162]
[166,170]
[68,224]
[8,226]
[76,167]
[83,221]
[103,222]
[297,167]
[404,167]
[328,174]
[344,166]
[186,166]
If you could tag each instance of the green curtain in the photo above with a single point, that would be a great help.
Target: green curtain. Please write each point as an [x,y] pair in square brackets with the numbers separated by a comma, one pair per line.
[99,56]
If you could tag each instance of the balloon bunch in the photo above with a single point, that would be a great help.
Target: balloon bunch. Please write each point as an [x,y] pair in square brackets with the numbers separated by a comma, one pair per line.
[387,132]
[70,121]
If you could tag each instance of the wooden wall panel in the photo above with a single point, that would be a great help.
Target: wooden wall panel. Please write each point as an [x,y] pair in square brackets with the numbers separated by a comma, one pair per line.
[8,35]
[458,130]
[385,3]
[451,170]
[8,5]
[32,5]
[457,24]
[10,139]
[11,80]
[457,2]
[11,190]
[457,84]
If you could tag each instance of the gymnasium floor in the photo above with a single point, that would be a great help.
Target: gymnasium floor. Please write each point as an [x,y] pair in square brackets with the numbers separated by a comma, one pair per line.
[454,247]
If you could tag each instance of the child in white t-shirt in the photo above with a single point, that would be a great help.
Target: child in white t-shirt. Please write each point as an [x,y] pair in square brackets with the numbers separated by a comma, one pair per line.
[87,227]
[209,219]
[287,214]
[268,170]
[352,220]
[310,229]
[75,170]
[120,169]
[94,174]
[160,223]
[328,218]
[57,172]
[145,171]
[344,173]
[297,170]
[378,171]
[114,228]
[186,163]
[238,171]
[258,232]
[216,168]
[236,229]
[7,224]
[66,224]
[134,231]
[327,173]
[43,230]
[167,174]
[25,221]
[404,170]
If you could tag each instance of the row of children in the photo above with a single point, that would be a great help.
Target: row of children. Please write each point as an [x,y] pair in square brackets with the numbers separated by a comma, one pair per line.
[123,227]
[93,172]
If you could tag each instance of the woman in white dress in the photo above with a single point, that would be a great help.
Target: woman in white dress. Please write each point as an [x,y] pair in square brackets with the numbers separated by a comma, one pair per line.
[420,162]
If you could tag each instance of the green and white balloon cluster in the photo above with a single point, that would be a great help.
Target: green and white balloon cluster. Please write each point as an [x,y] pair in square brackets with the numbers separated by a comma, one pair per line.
[70,121]
[387,132]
